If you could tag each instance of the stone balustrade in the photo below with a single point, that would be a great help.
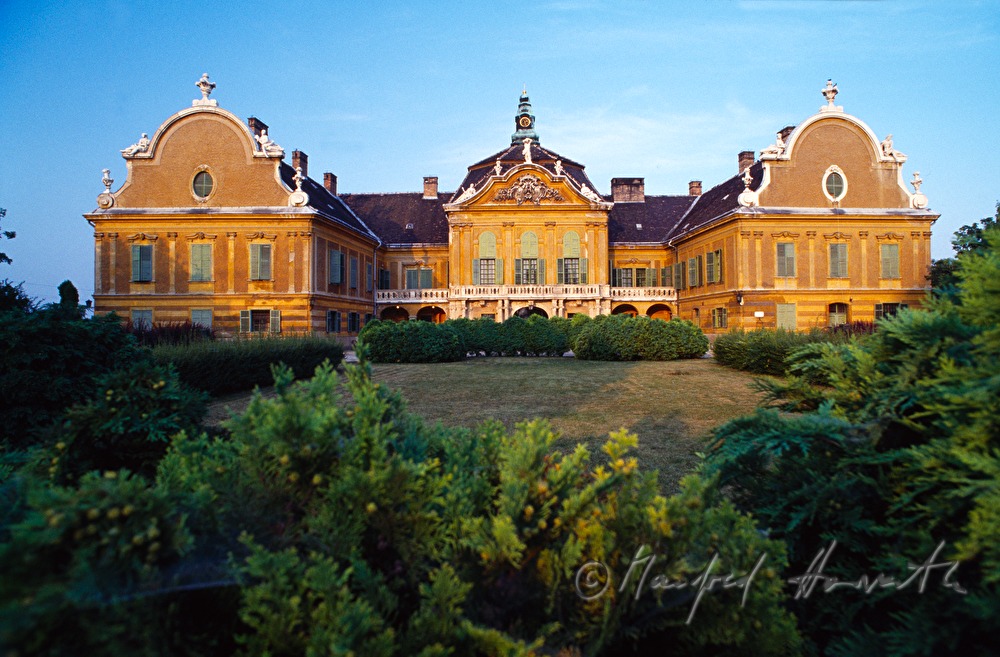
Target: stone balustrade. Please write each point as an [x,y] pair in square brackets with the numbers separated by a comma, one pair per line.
[527,293]
[643,294]
[412,296]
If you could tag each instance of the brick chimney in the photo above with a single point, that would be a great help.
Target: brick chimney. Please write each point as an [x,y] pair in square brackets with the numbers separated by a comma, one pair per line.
[628,190]
[430,187]
[256,126]
[694,188]
[746,160]
[330,182]
[785,132]
[300,159]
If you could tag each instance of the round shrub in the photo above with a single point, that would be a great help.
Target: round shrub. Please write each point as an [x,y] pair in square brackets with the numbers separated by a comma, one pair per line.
[621,337]
[413,342]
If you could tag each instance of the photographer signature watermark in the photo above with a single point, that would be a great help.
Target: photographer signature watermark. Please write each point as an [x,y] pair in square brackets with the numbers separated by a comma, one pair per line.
[594,578]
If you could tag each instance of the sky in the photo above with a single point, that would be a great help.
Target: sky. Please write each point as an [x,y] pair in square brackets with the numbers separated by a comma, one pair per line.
[382,94]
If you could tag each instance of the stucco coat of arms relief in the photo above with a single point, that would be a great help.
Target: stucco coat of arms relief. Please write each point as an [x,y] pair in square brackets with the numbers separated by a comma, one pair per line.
[528,188]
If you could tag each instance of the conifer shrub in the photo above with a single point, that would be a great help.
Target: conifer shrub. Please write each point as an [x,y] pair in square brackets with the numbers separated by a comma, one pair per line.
[890,447]
[220,367]
[765,351]
[323,524]
[625,338]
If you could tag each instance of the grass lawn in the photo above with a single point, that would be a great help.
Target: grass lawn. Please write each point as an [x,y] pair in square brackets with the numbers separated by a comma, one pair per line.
[671,406]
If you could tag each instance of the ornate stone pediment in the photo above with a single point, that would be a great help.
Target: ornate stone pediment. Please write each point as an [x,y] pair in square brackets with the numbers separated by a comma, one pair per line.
[201,236]
[837,236]
[146,237]
[528,188]
[889,236]
[786,234]
[262,236]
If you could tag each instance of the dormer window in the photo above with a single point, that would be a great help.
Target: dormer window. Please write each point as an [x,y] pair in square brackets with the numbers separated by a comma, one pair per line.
[638,226]
[834,184]
[409,226]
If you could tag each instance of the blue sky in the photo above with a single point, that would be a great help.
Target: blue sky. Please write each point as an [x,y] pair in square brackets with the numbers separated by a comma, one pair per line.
[383,94]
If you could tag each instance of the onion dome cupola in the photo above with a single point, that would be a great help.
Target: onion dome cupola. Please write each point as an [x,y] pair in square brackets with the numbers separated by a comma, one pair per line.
[524,122]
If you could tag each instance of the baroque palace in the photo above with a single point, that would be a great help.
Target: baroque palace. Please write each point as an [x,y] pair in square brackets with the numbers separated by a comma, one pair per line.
[213,226]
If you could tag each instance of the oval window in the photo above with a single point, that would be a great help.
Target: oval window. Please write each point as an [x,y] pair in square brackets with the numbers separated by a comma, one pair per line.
[202,184]
[835,185]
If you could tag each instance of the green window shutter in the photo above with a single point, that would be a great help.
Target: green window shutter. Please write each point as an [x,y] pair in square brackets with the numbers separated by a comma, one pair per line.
[275,321]
[136,263]
[667,274]
[244,321]
[265,261]
[499,276]
[615,277]
[541,271]
[651,277]
[700,269]
[710,267]
[426,278]
[201,262]
[354,274]
[335,258]
[255,261]
[682,276]
[583,271]
[518,278]
[890,261]
[560,272]
[718,266]
[369,276]
[475,271]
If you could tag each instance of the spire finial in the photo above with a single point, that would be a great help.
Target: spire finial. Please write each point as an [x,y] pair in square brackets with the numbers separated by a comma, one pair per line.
[206,86]
[524,121]
[830,92]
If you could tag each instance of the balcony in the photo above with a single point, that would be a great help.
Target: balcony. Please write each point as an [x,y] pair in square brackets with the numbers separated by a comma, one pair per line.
[643,294]
[427,295]
[525,293]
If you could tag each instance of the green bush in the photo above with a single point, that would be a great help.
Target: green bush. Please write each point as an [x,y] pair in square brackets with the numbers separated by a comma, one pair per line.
[412,342]
[765,351]
[49,361]
[891,447]
[220,367]
[322,525]
[127,424]
[423,342]
[625,338]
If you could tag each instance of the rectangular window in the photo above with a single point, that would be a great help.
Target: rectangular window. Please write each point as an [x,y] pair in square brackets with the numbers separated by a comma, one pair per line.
[526,271]
[694,272]
[333,321]
[571,271]
[667,274]
[260,321]
[201,262]
[369,275]
[487,271]
[490,316]
[710,267]
[720,318]
[384,279]
[887,309]
[786,316]
[621,277]
[354,273]
[260,262]
[838,261]
[786,259]
[642,277]
[419,278]
[201,317]
[336,267]
[353,322]
[142,263]
[890,260]
[838,314]
[142,319]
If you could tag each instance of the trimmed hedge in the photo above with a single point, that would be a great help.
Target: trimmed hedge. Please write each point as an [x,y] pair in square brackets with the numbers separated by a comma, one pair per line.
[222,367]
[765,351]
[621,337]
[455,339]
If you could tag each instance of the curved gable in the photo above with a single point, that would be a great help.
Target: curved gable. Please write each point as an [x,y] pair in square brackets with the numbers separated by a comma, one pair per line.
[202,139]
[796,178]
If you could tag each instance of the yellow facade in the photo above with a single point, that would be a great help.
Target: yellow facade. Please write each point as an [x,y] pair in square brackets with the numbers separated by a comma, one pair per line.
[212,225]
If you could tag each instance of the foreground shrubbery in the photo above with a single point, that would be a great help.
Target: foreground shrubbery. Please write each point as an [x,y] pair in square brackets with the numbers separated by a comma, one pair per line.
[50,360]
[329,527]
[766,351]
[221,367]
[890,447]
[621,337]
[168,333]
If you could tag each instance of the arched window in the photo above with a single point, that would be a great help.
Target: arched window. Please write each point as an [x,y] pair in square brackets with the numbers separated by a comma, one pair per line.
[529,269]
[529,245]
[487,269]
[571,245]
[571,268]
[838,314]
[487,245]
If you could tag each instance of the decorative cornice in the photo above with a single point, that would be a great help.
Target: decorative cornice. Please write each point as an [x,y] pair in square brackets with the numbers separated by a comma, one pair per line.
[892,236]
[201,236]
[148,237]
[260,235]
[745,233]
[758,233]
[837,236]
[528,188]
[785,234]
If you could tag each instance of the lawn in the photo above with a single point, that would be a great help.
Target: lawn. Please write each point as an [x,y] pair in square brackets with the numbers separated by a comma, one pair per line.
[671,406]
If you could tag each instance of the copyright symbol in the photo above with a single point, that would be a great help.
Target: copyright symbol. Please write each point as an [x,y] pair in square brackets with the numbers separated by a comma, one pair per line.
[592,580]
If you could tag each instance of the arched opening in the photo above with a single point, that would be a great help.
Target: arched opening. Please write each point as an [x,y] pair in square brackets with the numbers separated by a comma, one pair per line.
[431,314]
[659,311]
[395,314]
[625,309]
[528,311]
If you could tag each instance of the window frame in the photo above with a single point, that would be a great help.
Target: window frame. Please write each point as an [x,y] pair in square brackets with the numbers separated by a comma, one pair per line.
[205,274]
[783,262]
[144,272]
[201,174]
[211,317]
[845,259]
[256,273]
[829,173]
[147,312]
[894,273]
[831,314]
